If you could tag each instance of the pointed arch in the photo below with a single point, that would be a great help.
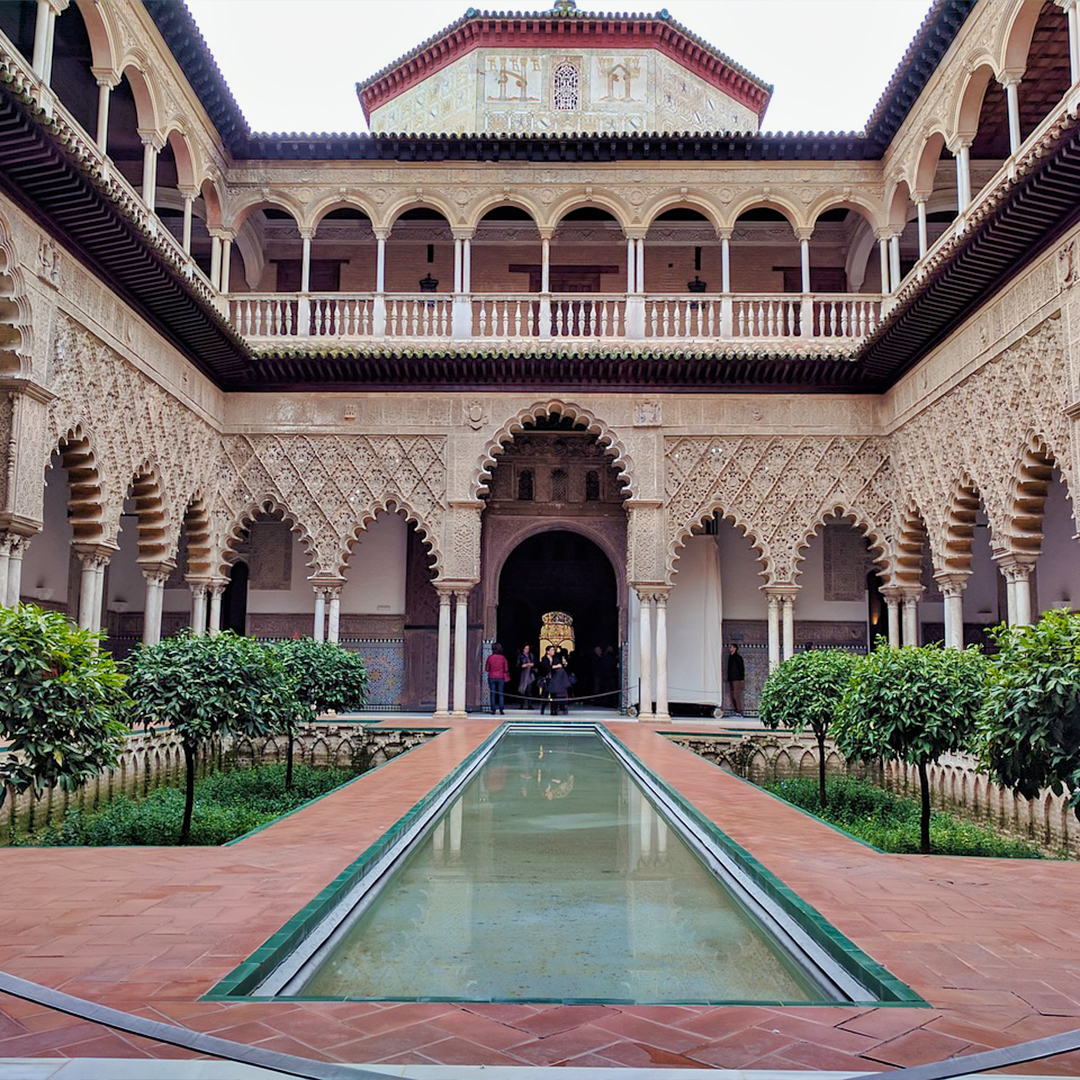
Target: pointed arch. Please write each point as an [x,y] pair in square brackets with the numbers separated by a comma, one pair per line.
[516,424]
[857,517]
[959,529]
[152,519]
[711,510]
[86,502]
[196,528]
[268,504]
[1028,491]
[391,504]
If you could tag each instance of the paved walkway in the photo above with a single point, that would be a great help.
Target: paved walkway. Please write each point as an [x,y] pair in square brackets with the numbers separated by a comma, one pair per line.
[993,945]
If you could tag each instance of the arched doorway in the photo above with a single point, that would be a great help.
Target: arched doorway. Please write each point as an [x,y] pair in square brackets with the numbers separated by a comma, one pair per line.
[560,571]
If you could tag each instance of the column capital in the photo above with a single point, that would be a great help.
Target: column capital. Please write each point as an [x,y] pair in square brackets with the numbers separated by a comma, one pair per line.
[636,232]
[462,232]
[960,142]
[307,232]
[106,77]
[381,232]
[783,591]
[724,232]
[1015,566]
[57,5]
[952,582]
[150,137]
[1010,78]
[803,232]
[1066,5]
[158,572]
[95,554]
[198,586]
[887,232]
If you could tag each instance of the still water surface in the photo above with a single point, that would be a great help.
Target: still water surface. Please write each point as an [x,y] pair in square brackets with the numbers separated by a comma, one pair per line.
[553,876]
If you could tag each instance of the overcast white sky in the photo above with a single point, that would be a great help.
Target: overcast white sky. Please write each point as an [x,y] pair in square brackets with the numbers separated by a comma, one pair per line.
[293,64]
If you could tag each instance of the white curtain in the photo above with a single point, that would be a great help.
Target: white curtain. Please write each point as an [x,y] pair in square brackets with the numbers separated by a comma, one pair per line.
[695,625]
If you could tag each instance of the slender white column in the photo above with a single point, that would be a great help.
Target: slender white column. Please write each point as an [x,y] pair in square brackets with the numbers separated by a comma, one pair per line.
[787,609]
[894,263]
[461,649]
[226,262]
[6,540]
[442,676]
[774,631]
[911,620]
[883,254]
[42,31]
[333,619]
[1022,578]
[380,264]
[893,605]
[88,618]
[725,264]
[149,171]
[631,261]
[545,264]
[305,265]
[99,592]
[661,658]
[152,609]
[198,607]
[457,263]
[319,629]
[952,589]
[1074,38]
[50,46]
[645,652]
[466,265]
[215,262]
[963,175]
[105,85]
[189,206]
[215,592]
[920,206]
[1011,83]
[804,256]
[641,265]
[13,579]
[1010,598]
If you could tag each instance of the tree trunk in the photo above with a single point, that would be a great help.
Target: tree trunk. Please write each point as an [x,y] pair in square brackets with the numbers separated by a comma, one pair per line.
[924,817]
[821,768]
[189,791]
[288,758]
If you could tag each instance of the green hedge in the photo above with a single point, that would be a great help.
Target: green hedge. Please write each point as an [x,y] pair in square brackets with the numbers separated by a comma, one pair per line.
[891,822]
[227,805]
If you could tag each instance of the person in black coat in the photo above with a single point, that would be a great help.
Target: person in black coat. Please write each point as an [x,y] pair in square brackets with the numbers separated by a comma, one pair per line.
[736,677]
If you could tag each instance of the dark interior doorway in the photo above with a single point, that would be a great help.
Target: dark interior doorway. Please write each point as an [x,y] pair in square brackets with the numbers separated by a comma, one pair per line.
[234,599]
[559,571]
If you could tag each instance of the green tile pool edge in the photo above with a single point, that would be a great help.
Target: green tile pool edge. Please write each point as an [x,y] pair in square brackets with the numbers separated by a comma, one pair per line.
[272,951]
[891,992]
[812,922]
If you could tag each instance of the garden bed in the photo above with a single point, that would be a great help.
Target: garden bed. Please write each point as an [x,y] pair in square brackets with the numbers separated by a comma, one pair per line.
[890,822]
[227,805]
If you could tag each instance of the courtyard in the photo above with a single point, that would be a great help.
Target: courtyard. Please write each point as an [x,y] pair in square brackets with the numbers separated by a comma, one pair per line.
[991,945]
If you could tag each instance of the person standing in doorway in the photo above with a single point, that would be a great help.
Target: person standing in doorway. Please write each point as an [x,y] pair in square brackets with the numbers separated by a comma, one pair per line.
[498,672]
[736,677]
[526,661]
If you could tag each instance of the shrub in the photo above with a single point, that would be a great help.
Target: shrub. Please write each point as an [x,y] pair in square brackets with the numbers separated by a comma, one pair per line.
[894,823]
[1029,725]
[203,686]
[227,805]
[59,700]
[911,704]
[806,690]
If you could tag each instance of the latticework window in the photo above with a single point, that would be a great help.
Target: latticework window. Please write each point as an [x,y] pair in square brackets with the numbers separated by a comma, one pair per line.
[525,485]
[592,486]
[560,485]
[566,84]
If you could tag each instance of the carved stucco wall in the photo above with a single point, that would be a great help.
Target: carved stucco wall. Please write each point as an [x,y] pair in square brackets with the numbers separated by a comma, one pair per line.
[331,485]
[980,430]
[778,490]
[130,420]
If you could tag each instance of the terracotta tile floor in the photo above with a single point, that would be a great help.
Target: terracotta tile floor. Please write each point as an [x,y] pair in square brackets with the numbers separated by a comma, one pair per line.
[994,946]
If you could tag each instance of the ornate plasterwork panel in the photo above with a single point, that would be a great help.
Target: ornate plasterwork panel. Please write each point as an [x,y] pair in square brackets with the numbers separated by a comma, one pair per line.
[330,486]
[131,422]
[778,490]
[980,431]
[530,91]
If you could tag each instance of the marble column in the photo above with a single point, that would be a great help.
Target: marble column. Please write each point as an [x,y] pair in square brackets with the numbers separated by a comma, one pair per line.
[894,262]
[105,83]
[920,208]
[378,303]
[952,589]
[319,629]
[787,611]
[154,605]
[13,579]
[333,615]
[893,600]
[215,592]
[6,540]
[461,648]
[910,595]
[442,675]
[1016,569]
[198,607]
[883,259]
[963,174]
[226,263]
[42,61]
[189,207]
[215,261]
[1011,84]
[151,146]
[774,630]
[90,588]
[1069,7]
[645,646]
[661,656]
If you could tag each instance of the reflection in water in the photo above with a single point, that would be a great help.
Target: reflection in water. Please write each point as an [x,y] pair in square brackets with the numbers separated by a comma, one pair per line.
[554,877]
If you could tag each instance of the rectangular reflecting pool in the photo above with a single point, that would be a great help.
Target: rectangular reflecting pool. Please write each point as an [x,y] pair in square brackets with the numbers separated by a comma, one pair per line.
[556,869]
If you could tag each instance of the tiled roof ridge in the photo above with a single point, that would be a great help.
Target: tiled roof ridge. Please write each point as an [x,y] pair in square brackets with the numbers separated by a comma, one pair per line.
[931,41]
[662,16]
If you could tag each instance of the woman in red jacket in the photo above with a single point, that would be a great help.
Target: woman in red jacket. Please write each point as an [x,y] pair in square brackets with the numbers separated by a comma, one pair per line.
[498,672]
